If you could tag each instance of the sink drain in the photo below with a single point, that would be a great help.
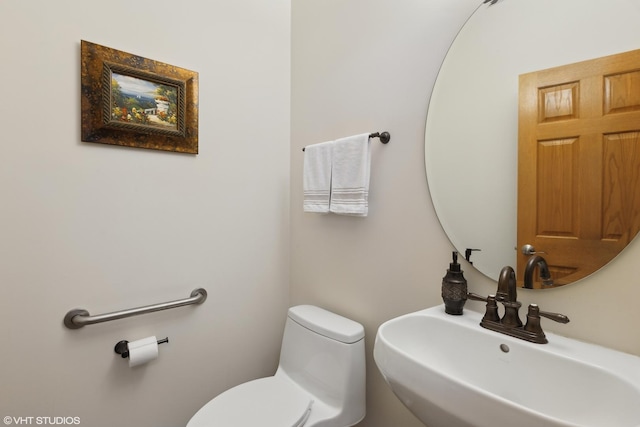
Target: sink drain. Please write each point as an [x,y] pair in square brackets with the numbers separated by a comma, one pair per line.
[504,348]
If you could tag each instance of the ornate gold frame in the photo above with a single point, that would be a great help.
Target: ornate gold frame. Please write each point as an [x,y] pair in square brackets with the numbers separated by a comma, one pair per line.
[100,124]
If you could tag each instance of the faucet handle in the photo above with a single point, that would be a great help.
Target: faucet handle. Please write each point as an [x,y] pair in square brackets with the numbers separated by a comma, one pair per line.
[533,318]
[556,317]
[533,323]
[491,312]
[476,297]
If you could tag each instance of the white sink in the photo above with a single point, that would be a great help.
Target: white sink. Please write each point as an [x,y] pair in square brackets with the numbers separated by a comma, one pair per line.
[450,372]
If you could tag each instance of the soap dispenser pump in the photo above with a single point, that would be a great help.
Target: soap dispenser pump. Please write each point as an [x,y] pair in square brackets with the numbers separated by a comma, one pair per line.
[454,288]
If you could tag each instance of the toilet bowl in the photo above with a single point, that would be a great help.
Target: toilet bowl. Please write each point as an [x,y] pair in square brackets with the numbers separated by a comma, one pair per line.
[320,380]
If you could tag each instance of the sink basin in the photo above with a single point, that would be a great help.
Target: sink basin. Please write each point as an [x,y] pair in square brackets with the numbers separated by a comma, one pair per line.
[450,372]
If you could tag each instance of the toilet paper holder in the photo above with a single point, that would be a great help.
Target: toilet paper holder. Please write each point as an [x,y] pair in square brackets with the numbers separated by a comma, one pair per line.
[122,347]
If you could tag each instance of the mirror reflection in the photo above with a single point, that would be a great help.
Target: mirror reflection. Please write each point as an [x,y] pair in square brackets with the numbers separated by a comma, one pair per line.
[579,164]
[471,138]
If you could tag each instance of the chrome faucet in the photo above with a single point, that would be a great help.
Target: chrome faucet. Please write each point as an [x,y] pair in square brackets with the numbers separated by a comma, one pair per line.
[510,323]
[536,260]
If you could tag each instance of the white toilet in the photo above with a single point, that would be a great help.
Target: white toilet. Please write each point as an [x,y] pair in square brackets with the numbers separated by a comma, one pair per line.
[320,380]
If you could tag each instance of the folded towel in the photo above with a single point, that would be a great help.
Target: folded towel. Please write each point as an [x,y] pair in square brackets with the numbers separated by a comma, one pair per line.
[350,175]
[317,177]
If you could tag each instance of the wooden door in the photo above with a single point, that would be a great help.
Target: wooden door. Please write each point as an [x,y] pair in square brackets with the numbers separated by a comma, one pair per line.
[579,163]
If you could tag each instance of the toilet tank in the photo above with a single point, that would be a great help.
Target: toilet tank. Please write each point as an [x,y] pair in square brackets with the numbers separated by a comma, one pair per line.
[324,353]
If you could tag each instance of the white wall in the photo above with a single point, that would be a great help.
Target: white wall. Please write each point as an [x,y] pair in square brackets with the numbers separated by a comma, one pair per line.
[106,228]
[369,65]
[363,66]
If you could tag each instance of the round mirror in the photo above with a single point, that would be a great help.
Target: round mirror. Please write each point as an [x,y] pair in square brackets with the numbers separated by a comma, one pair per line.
[471,137]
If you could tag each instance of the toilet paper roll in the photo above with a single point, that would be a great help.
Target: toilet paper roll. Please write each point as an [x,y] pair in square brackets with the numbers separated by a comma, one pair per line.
[142,351]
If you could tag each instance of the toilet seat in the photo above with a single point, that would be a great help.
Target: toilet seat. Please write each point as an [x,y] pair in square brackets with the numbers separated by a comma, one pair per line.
[265,402]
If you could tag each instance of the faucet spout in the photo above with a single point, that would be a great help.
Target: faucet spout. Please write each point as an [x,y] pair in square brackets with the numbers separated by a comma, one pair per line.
[507,285]
[537,260]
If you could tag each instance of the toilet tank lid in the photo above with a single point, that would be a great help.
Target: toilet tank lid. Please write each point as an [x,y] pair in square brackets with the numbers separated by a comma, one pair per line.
[326,323]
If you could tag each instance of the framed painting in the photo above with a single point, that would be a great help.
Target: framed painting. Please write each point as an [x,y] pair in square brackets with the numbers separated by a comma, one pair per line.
[133,101]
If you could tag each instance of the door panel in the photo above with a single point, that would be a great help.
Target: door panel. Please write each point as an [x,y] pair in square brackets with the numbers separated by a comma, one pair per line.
[579,163]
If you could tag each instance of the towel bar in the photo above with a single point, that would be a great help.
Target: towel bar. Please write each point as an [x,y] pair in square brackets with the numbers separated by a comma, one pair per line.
[77,318]
[385,137]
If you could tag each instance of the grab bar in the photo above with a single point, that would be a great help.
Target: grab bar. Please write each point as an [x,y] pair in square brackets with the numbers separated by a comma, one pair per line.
[77,318]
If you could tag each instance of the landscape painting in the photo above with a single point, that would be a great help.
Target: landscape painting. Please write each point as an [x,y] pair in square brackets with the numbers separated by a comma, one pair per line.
[134,101]
[143,102]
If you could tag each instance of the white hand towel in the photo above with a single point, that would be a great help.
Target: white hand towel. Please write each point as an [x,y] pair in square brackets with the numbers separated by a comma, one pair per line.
[350,175]
[317,177]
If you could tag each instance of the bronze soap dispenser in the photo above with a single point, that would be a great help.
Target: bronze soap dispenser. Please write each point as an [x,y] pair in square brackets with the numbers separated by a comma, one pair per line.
[454,288]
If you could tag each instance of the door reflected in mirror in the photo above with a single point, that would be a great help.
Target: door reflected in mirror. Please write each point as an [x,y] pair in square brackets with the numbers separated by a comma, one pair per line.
[471,137]
[579,164]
